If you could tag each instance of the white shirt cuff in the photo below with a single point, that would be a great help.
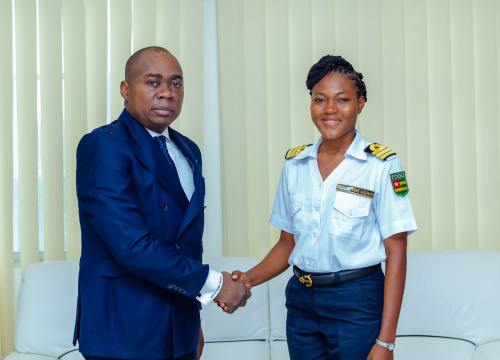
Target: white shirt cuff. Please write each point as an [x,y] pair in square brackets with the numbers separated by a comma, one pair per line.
[211,288]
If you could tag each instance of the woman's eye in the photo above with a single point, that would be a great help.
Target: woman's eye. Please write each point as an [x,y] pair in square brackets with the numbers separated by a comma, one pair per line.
[319,100]
[343,100]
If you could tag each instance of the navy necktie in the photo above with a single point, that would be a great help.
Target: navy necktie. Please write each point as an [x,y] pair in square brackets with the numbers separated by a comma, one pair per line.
[161,140]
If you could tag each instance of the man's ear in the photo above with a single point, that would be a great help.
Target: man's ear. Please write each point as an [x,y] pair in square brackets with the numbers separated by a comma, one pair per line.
[124,87]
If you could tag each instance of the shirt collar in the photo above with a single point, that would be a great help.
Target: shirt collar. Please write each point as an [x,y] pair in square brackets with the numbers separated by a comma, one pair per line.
[311,151]
[154,134]
[356,149]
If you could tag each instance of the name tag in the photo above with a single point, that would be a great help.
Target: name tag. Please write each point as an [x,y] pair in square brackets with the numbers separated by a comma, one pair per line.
[356,190]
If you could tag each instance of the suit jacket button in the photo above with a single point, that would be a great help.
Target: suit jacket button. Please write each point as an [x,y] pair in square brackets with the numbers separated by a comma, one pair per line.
[164,207]
[177,246]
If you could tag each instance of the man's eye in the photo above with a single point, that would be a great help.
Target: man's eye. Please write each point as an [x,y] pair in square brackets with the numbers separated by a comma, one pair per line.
[177,85]
[319,100]
[343,100]
[152,83]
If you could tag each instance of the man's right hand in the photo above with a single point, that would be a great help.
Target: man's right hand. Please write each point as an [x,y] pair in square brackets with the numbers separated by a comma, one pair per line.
[233,293]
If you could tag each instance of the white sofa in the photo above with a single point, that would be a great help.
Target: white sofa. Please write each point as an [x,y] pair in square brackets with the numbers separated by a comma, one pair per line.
[451,310]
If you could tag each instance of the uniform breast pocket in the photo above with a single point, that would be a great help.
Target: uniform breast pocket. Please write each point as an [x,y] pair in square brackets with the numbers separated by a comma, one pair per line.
[349,215]
[297,211]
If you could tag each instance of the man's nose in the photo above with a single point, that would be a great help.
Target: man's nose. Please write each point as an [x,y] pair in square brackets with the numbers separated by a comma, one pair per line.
[165,92]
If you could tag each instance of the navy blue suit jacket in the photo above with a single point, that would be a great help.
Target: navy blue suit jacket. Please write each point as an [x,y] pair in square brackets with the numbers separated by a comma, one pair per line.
[140,267]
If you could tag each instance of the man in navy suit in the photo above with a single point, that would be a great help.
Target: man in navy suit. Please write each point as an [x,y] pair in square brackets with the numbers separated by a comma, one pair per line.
[141,198]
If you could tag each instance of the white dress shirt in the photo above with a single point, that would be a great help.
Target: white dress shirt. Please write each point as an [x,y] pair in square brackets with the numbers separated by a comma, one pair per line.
[213,283]
[336,230]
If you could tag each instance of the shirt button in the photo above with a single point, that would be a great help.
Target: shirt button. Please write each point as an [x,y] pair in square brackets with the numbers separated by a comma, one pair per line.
[315,235]
[177,246]
[310,261]
[316,209]
[164,207]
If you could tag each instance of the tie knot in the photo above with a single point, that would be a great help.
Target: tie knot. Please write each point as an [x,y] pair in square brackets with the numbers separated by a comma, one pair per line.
[161,140]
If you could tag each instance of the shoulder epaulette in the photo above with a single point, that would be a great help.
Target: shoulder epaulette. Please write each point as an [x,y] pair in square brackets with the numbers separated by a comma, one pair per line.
[380,151]
[293,152]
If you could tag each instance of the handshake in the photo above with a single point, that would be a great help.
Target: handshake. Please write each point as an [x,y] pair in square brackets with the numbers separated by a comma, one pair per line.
[234,292]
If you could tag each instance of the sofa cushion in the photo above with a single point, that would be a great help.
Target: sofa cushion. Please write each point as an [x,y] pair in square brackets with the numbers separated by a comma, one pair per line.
[46,308]
[279,350]
[247,323]
[17,356]
[452,294]
[240,350]
[430,348]
[488,351]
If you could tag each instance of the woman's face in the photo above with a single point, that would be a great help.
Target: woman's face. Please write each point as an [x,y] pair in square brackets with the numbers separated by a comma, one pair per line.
[335,106]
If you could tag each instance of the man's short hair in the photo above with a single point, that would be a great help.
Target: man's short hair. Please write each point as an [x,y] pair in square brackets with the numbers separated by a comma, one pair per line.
[132,60]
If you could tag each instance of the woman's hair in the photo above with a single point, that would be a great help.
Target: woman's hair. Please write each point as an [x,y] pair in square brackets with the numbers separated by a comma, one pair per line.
[329,63]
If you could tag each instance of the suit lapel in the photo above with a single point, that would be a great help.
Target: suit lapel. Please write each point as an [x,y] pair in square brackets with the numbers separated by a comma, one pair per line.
[149,154]
[197,200]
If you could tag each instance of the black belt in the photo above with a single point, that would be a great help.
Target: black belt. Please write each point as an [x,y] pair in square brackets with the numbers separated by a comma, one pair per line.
[335,277]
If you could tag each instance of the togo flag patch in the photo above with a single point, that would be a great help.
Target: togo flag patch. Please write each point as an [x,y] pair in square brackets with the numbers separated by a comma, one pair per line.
[399,183]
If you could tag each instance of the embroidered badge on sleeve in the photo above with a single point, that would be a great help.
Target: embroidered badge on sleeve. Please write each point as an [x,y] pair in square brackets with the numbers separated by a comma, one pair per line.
[399,183]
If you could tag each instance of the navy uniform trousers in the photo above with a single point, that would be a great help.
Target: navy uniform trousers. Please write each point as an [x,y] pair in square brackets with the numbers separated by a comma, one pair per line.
[190,356]
[335,322]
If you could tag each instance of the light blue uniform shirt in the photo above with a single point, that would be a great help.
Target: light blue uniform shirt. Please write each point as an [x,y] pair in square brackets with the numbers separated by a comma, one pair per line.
[336,230]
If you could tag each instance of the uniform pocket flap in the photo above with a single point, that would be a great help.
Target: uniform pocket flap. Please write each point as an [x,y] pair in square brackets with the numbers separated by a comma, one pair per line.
[351,205]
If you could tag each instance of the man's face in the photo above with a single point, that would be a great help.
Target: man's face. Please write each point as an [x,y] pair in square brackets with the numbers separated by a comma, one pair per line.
[154,90]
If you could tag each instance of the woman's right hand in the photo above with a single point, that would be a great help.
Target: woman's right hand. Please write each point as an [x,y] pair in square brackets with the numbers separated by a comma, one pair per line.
[237,274]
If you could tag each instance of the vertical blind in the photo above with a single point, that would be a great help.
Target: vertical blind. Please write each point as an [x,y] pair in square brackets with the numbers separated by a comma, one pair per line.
[432,70]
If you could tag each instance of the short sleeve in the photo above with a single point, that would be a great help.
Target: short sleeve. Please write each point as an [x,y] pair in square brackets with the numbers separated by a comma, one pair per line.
[394,212]
[281,216]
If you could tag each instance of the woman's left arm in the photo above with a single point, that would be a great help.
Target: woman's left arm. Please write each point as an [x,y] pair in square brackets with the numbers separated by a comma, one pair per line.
[395,276]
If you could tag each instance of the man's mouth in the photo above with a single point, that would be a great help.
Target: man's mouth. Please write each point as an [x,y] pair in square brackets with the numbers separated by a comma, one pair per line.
[163,110]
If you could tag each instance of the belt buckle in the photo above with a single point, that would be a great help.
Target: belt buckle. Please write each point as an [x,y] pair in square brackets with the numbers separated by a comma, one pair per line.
[306,280]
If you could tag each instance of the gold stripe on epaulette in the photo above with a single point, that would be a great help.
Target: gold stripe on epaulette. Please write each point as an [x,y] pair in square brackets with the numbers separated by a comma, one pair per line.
[380,151]
[293,152]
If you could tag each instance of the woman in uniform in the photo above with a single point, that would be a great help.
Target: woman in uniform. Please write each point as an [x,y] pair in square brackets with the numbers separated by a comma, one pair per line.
[342,208]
